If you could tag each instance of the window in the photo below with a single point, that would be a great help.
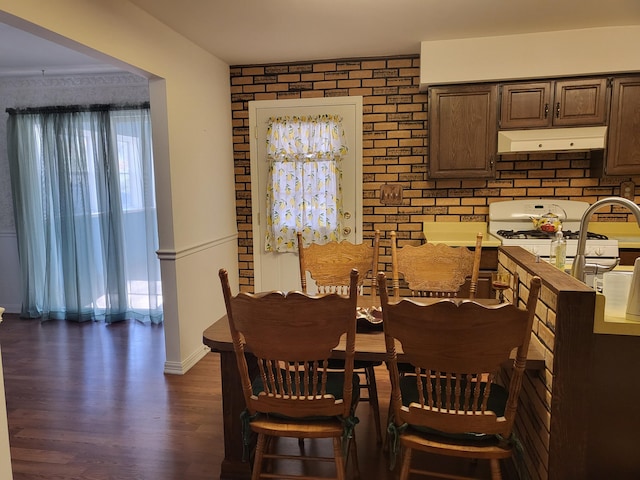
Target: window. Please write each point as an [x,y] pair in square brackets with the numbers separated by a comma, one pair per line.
[304,189]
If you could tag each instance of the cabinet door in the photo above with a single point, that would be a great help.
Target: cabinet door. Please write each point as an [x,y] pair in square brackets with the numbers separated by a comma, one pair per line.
[580,102]
[623,142]
[463,131]
[525,105]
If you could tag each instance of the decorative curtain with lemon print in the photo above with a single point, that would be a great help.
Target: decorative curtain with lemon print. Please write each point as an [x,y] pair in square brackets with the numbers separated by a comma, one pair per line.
[304,181]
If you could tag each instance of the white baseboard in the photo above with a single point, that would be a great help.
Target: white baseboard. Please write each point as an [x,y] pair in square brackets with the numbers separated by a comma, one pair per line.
[12,307]
[180,368]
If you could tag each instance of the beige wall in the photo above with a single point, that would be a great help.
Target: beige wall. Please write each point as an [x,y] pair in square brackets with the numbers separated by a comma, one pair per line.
[192,147]
[561,53]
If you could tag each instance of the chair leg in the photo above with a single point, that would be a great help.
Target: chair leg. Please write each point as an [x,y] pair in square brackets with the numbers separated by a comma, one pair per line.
[257,460]
[353,456]
[373,400]
[338,458]
[385,444]
[406,463]
[495,469]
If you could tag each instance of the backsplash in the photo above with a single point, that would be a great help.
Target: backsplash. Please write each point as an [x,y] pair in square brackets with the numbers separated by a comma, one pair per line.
[395,151]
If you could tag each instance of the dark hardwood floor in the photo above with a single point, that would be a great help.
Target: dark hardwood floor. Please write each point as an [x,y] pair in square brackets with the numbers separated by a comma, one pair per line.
[90,401]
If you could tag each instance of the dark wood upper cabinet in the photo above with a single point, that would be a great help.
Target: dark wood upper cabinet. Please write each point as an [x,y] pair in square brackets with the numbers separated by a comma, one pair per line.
[463,131]
[623,142]
[525,105]
[560,103]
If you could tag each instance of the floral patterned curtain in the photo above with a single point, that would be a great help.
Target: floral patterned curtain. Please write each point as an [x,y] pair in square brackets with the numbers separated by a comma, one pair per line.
[304,182]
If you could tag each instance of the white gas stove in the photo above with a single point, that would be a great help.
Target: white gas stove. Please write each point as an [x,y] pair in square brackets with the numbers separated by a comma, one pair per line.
[511,222]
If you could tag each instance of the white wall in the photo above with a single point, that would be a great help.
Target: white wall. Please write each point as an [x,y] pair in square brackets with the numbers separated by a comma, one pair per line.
[193,151]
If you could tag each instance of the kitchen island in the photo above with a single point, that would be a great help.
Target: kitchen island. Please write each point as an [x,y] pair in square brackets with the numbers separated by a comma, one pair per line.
[576,418]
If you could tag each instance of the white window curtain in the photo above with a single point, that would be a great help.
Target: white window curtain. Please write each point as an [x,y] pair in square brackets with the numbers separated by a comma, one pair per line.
[83,190]
[304,186]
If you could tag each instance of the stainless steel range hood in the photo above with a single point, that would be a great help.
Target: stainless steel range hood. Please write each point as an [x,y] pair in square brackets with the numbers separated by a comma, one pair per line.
[552,139]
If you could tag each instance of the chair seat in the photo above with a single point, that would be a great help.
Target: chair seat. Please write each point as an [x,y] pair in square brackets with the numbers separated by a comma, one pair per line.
[301,428]
[488,447]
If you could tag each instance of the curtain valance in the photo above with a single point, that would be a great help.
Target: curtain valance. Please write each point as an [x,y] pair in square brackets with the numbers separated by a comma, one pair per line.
[319,137]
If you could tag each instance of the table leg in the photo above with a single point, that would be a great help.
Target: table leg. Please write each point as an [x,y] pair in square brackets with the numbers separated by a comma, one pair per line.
[232,406]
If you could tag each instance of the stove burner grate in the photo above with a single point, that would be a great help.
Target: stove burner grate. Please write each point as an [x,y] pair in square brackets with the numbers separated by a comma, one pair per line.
[539,234]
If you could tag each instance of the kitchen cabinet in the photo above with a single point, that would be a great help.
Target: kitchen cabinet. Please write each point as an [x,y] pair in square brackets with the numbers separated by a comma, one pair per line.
[628,255]
[559,103]
[488,265]
[462,131]
[623,142]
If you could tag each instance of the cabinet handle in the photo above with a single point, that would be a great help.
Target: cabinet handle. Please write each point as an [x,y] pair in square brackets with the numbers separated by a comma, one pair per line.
[558,110]
[546,110]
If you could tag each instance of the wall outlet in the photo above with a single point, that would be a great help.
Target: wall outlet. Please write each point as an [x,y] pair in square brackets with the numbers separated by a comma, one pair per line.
[628,190]
[391,194]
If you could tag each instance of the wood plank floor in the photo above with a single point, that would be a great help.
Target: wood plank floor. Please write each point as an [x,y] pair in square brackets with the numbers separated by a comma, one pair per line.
[90,401]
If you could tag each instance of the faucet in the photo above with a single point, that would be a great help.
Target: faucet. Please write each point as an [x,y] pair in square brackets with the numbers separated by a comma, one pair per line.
[579,262]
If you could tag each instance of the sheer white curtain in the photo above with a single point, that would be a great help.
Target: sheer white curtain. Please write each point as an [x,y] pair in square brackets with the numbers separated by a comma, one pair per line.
[82,181]
[304,189]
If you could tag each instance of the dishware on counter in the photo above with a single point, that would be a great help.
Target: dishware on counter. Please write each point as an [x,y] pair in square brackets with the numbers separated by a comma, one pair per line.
[558,253]
[615,288]
[369,319]
[551,221]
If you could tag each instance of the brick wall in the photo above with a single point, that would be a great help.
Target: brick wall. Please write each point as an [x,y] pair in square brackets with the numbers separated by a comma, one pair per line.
[395,151]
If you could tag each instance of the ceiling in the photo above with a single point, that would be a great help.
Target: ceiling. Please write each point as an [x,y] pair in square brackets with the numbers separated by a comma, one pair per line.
[277,31]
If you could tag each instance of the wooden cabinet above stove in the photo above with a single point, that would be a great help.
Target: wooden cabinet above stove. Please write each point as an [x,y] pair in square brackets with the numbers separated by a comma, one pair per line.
[559,103]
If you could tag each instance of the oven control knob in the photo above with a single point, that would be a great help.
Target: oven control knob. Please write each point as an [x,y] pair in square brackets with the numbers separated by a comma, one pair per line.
[594,252]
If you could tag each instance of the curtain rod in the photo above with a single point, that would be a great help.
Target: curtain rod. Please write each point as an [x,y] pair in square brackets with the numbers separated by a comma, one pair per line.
[76,108]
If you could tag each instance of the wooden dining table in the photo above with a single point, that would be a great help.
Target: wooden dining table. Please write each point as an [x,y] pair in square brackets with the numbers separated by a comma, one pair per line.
[370,346]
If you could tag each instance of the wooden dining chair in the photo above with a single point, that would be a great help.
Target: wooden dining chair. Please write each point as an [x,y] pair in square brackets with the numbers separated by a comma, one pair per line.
[329,266]
[294,394]
[436,269]
[455,401]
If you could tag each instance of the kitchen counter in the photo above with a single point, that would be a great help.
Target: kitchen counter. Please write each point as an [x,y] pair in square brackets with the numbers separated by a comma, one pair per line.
[627,233]
[458,234]
[607,324]
[616,325]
